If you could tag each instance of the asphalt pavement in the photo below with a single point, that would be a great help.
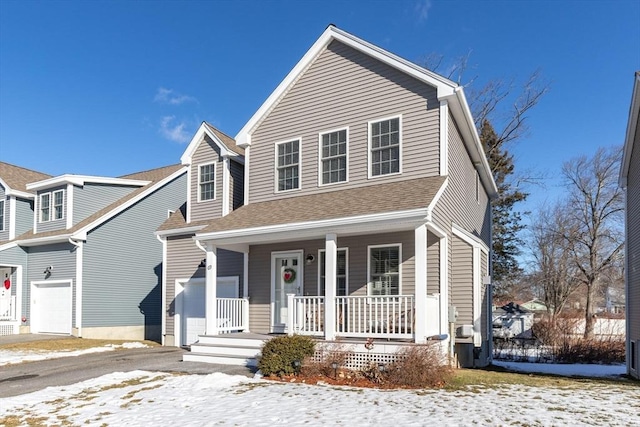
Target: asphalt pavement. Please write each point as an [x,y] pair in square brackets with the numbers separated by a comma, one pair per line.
[26,377]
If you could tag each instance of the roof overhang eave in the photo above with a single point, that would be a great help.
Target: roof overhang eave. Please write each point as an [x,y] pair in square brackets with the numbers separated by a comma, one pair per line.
[362,224]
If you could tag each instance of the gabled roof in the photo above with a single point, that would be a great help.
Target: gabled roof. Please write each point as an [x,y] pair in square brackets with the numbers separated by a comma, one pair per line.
[227,145]
[156,178]
[412,195]
[14,179]
[632,131]
[177,223]
[446,90]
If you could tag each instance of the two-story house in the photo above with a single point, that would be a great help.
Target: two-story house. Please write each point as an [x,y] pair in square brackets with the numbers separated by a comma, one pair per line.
[82,259]
[630,181]
[366,211]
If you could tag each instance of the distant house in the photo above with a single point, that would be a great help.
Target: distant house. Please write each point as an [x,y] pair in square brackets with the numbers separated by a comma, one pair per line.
[79,256]
[512,321]
[535,305]
[630,181]
[365,212]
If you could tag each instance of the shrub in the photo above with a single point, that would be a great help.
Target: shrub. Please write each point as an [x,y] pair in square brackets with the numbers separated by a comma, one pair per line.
[419,366]
[326,356]
[579,350]
[279,354]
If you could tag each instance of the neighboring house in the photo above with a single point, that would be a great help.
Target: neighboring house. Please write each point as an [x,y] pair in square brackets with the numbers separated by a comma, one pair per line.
[535,305]
[512,321]
[365,211]
[630,181]
[88,263]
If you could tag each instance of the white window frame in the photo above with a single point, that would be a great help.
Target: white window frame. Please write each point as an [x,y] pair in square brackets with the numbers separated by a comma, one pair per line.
[54,216]
[369,146]
[320,158]
[2,214]
[200,183]
[40,218]
[346,271]
[278,167]
[370,281]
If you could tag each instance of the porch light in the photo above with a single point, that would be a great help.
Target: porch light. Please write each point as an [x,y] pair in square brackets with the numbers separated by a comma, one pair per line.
[310,258]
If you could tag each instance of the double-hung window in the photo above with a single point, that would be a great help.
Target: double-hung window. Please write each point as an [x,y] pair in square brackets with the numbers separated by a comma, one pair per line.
[207,182]
[288,165]
[384,270]
[58,204]
[1,215]
[45,207]
[384,140]
[333,157]
[341,273]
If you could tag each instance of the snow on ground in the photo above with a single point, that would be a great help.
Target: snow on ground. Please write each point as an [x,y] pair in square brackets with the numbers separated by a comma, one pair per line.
[8,357]
[567,370]
[141,398]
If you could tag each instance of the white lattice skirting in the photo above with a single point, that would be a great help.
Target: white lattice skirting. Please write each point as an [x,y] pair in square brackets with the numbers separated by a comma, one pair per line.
[8,328]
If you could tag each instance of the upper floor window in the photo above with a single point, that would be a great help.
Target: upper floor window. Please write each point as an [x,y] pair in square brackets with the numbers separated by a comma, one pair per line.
[333,157]
[384,143]
[47,205]
[341,273]
[288,165]
[207,182]
[384,270]
[1,215]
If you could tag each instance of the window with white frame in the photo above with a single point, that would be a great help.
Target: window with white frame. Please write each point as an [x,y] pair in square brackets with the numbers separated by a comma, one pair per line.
[207,182]
[58,204]
[341,273]
[384,270]
[45,207]
[1,215]
[288,165]
[384,143]
[333,157]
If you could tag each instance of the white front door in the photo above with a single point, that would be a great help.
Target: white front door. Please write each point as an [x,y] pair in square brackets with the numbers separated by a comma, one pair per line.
[287,279]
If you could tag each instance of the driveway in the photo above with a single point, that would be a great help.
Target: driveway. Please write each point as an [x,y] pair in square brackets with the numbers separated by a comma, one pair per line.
[27,377]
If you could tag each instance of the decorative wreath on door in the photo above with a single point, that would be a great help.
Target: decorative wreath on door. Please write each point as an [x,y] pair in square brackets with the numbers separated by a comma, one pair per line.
[289,275]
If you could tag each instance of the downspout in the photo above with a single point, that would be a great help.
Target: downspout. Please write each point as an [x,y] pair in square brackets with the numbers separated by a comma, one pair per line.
[79,262]
[163,286]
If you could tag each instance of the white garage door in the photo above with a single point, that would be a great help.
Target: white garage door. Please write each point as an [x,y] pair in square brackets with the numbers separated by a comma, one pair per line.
[51,308]
[193,303]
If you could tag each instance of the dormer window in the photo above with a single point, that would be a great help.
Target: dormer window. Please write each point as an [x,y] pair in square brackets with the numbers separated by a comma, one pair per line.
[207,182]
[56,199]
[385,138]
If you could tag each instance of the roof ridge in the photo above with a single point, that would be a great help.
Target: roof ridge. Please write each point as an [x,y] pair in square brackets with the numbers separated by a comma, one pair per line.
[222,132]
[148,170]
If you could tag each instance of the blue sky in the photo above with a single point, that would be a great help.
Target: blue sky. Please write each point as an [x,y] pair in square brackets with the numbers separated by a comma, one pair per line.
[113,87]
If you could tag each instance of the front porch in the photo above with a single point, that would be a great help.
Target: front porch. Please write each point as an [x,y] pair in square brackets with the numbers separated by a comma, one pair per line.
[9,323]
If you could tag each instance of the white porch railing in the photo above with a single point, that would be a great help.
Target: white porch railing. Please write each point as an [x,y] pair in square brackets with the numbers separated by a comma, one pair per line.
[356,316]
[233,314]
[8,308]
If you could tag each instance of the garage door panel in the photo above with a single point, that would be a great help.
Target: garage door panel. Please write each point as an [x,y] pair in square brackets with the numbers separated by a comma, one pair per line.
[52,308]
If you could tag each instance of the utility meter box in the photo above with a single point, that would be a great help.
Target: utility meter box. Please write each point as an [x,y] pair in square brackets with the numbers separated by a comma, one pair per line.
[453,314]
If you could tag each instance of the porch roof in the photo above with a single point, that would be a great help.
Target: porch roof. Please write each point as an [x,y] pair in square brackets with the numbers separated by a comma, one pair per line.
[407,195]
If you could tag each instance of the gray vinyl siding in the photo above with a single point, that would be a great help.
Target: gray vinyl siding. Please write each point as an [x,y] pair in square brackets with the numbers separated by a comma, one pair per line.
[183,259]
[207,152]
[58,224]
[345,88]
[4,225]
[90,198]
[462,278]
[122,277]
[633,244]
[24,216]
[237,185]
[260,269]
[62,257]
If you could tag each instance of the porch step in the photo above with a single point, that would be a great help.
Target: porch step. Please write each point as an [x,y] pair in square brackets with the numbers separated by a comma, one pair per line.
[227,349]
[220,359]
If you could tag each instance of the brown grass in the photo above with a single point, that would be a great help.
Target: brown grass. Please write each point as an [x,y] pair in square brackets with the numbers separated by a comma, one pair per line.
[66,344]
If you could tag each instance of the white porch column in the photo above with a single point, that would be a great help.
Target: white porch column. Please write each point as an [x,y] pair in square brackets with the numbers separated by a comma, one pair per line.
[331,268]
[421,283]
[245,287]
[211,306]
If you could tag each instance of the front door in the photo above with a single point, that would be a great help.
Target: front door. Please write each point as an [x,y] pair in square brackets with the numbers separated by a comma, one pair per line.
[287,279]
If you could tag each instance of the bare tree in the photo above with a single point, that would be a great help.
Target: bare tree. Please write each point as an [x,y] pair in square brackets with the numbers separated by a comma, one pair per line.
[594,229]
[554,270]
